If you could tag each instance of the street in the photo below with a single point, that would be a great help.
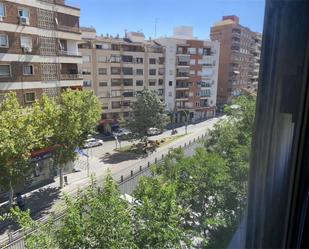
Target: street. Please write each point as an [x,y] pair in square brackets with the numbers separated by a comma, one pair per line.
[102,159]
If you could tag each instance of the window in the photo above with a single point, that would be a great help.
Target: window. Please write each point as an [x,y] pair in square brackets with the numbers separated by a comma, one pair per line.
[86,71]
[104,46]
[116,93]
[127,70]
[152,82]
[192,72]
[28,70]
[29,97]
[192,50]
[115,59]
[115,70]
[102,59]
[139,60]
[102,83]
[152,61]
[170,83]
[128,94]
[192,62]
[102,71]
[139,82]
[86,58]
[152,71]
[23,12]
[116,104]
[2,9]
[116,82]
[87,83]
[139,71]
[26,43]
[160,92]
[160,82]
[5,70]
[4,41]
[127,58]
[161,71]
[128,82]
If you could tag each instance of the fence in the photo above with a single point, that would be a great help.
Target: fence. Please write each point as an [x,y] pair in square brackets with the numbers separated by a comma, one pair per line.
[126,184]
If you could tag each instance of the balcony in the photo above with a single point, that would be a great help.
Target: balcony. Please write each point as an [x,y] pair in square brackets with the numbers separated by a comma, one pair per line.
[69,53]
[182,86]
[71,76]
[180,75]
[182,97]
[68,28]
[183,64]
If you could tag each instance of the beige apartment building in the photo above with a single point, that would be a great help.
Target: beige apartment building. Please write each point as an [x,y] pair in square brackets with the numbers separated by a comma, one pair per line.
[240,50]
[118,68]
[38,48]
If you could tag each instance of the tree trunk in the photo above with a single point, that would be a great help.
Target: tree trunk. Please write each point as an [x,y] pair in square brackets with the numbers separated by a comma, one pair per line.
[11,197]
[61,176]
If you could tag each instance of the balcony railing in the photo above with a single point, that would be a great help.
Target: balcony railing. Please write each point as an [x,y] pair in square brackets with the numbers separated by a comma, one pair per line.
[180,75]
[69,53]
[71,76]
[68,28]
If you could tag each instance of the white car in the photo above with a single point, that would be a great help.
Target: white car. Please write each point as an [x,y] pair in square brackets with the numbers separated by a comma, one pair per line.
[122,133]
[153,131]
[93,142]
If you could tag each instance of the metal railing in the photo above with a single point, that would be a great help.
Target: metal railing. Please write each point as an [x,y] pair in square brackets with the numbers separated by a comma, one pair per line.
[71,77]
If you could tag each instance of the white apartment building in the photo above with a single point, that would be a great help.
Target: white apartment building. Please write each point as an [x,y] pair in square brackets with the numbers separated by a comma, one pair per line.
[191,75]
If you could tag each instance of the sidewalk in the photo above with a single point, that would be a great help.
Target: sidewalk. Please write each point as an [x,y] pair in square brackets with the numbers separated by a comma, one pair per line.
[49,198]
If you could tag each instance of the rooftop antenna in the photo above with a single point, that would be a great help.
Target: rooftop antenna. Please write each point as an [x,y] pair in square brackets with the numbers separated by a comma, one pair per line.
[155,33]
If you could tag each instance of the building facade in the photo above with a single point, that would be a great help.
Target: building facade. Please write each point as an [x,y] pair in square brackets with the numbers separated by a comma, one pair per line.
[191,74]
[38,48]
[239,57]
[118,68]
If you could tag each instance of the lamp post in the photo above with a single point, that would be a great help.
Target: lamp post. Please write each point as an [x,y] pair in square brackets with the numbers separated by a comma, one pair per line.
[186,123]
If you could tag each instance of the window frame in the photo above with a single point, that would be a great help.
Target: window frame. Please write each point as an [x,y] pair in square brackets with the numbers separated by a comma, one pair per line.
[32,69]
[7,41]
[4,9]
[10,71]
[25,97]
[22,9]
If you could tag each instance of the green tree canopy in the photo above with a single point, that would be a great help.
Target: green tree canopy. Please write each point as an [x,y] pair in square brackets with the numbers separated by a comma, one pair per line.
[148,111]
[17,140]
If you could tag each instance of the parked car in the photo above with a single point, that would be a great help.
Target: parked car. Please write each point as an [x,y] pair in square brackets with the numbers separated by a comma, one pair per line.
[122,133]
[154,131]
[93,142]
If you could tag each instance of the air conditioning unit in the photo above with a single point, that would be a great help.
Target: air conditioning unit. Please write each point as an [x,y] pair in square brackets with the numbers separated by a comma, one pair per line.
[27,49]
[24,20]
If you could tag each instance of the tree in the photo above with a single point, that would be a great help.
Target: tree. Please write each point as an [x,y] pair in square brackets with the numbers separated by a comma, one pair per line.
[17,140]
[158,221]
[79,112]
[93,219]
[148,111]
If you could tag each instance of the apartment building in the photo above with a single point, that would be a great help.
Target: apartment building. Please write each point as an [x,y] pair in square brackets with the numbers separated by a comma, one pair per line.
[38,48]
[117,68]
[239,57]
[256,51]
[191,74]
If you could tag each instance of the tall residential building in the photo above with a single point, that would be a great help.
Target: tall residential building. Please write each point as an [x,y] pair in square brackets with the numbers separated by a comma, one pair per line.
[191,74]
[239,52]
[117,68]
[38,48]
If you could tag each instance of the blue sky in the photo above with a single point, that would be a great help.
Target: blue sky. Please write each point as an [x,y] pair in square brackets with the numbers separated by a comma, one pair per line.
[114,16]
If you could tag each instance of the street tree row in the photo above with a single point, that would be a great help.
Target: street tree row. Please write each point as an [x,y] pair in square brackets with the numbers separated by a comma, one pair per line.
[197,201]
[61,123]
